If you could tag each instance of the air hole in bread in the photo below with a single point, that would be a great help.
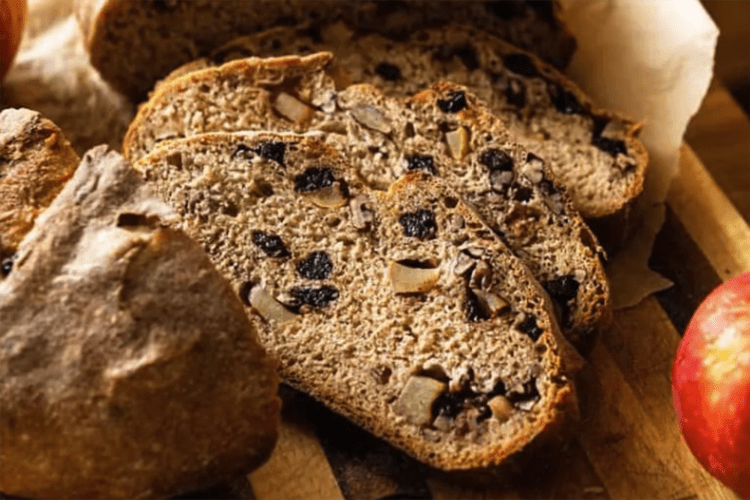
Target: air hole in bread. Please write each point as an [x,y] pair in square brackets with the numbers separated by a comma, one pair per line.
[450,202]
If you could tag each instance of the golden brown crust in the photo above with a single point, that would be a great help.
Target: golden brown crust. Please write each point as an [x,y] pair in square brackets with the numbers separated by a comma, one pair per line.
[35,163]
[243,69]
[142,376]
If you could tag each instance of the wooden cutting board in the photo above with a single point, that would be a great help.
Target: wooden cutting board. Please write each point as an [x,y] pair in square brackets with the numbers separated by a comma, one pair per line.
[628,444]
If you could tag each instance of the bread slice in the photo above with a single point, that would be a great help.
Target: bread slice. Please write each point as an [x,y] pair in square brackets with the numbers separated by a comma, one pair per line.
[384,138]
[400,310]
[133,43]
[35,163]
[128,366]
[595,153]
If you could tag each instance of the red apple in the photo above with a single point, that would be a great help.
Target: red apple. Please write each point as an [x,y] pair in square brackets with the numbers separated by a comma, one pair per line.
[12,20]
[711,384]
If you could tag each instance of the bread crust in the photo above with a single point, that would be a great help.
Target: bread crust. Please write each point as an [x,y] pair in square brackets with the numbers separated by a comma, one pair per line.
[129,46]
[128,367]
[35,163]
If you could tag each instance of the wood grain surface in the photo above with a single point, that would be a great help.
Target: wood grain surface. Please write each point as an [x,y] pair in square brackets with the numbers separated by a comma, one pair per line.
[627,444]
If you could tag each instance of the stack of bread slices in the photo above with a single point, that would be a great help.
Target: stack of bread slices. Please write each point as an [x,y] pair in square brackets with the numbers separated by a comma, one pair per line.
[403,210]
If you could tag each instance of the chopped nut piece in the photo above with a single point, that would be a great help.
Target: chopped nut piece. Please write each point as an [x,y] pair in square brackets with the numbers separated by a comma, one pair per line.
[405,279]
[371,118]
[417,397]
[491,303]
[480,278]
[268,307]
[533,169]
[500,179]
[361,216]
[501,408]
[463,263]
[458,142]
[329,197]
[293,109]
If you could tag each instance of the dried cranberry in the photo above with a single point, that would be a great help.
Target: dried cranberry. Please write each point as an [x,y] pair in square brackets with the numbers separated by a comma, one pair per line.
[389,72]
[494,159]
[419,224]
[316,266]
[422,162]
[271,244]
[521,64]
[456,102]
[313,179]
[316,297]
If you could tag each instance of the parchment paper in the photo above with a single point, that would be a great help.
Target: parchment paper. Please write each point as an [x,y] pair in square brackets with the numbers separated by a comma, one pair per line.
[652,60]
[649,59]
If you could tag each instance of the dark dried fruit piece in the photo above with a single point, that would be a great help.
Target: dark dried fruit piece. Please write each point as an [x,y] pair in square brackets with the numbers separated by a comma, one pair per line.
[449,404]
[273,151]
[530,327]
[523,194]
[316,266]
[521,64]
[312,179]
[389,72]
[565,102]
[422,162]
[7,266]
[563,290]
[316,297]
[611,146]
[456,102]
[271,244]
[419,224]
[494,159]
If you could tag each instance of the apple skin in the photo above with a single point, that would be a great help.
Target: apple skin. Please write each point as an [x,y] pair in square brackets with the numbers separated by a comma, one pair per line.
[12,21]
[711,384]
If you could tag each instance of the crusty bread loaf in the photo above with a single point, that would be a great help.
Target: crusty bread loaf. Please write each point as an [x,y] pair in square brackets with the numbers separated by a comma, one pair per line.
[35,163]
[400,310]
[446,131]
[133,43]
[128,367]
[593,152]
